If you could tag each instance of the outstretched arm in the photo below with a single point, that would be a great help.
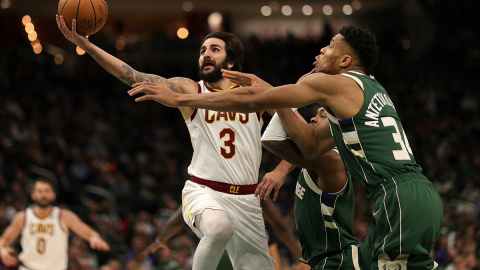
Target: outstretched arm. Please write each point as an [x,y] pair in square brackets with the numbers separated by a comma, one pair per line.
[314,88]
[115,66]
[9,235]
[74,223]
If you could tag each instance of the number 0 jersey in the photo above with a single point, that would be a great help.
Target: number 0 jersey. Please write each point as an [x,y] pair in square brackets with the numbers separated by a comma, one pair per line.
[226,145]
[44,241]
[373,144]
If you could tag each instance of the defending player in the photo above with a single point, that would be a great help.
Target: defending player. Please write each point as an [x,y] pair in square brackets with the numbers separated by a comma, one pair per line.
[365,127]
[44,233]
[324,202]
[218,201]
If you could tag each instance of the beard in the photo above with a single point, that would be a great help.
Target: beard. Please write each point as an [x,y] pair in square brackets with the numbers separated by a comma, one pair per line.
[215,75]
[43,203]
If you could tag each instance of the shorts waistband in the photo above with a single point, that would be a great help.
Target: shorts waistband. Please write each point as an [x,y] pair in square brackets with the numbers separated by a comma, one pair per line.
[226,188]
[401,178]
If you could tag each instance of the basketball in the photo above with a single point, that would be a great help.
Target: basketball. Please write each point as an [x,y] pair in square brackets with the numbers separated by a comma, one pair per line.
[90,15]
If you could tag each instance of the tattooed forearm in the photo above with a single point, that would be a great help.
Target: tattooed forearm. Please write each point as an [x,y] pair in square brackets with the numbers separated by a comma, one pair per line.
[128,78]
[132,76]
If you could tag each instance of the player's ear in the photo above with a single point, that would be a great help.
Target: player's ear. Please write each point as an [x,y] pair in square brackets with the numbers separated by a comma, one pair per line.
[346,60]
[230,65]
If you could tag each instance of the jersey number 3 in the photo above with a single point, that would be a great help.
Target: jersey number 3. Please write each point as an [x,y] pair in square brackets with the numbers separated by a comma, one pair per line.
[397,137]
[228,151]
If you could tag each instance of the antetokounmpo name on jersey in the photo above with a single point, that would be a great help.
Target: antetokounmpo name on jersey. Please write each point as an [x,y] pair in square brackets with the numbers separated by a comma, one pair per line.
[378,101]
[212,116]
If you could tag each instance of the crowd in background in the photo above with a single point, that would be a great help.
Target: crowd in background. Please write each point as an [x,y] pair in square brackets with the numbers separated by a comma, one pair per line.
[121,165]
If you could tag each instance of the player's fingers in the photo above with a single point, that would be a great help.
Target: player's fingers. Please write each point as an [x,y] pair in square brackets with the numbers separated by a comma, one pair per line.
[275,194]
[62,26]
[234,73]
[143,98]
[74,28]
[259,187]
[138,89]
[269,190]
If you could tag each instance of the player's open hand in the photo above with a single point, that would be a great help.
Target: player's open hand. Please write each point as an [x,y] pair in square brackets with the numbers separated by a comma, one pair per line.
[271,181]
[8,256]
[152,248]
[155,92]
[98,244]
[71,35]
[244,79]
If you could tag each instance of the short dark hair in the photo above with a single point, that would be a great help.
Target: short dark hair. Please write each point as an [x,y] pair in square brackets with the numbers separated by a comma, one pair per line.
[44,180]
[234,48]
[363,43]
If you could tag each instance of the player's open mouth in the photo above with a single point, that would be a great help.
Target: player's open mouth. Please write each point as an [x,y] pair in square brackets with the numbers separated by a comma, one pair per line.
[208,66]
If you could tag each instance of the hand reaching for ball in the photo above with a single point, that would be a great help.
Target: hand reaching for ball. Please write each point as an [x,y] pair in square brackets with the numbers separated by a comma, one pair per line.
[71,35]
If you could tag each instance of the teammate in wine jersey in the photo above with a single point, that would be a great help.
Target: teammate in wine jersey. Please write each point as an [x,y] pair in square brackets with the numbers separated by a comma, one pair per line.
[218,200]
[44,233]
[364,125]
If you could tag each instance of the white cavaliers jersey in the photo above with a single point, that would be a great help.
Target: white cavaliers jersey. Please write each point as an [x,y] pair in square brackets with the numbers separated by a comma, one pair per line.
[226,145]
[44,242]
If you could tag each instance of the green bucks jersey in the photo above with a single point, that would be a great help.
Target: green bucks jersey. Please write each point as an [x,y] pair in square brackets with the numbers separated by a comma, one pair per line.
[373,144]
[324,221]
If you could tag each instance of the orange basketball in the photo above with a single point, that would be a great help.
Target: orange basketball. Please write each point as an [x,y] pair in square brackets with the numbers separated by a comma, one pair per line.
[90,15]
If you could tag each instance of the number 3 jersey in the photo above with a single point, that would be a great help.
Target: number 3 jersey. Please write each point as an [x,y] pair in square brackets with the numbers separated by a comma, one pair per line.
[373,144]
[44,241]
[226,145]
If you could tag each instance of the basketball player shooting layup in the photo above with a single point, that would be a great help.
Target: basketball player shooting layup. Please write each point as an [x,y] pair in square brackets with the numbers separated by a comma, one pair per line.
[364,125]
[219,203]
[44,230]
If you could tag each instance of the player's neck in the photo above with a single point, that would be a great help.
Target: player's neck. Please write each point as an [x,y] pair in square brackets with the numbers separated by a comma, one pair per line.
[223,84]
[42,212]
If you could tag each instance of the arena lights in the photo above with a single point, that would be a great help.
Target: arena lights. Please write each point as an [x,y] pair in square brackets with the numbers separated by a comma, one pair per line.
[26,20]
[274,5]
[356,4]
[327,10]
[31,34]
[187,6]
[182,33]
[307,10]
[287,10]
[266,11]
[5,4]
[215,20]
[58,59]
[37,48]
[29,28]
[120,43]
[347,10]
[80,51]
